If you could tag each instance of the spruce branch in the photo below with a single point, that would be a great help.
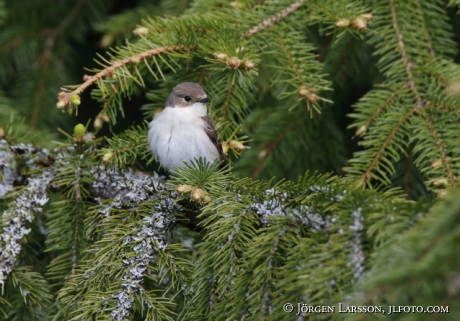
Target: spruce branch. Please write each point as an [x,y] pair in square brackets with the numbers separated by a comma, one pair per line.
[66,95]
[404,56]
[410,60]
[289,58]
[425,30]
[298,76]
[270,147]
[276,18]
[367,174]
[28,293]
[382,106]
[434,105]
[445,71]
[419,262]
[66,218]
[440,147]
[270,265]
[110,99]
[124,149]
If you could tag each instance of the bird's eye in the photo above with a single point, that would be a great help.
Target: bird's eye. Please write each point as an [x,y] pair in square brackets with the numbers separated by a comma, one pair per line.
[187,98]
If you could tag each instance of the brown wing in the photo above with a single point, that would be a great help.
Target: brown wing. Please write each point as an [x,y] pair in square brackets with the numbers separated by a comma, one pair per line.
[212,134]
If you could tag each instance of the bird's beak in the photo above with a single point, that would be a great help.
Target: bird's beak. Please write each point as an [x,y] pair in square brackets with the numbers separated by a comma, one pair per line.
[205,100]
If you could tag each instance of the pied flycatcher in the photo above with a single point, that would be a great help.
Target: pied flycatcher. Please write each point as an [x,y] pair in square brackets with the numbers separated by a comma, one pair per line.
[183,130]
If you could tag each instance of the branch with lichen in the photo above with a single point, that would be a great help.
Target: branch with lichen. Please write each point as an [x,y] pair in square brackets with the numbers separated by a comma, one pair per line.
[13,221]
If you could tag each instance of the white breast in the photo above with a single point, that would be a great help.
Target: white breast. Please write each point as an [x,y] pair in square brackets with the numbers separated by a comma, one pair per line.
[177,135]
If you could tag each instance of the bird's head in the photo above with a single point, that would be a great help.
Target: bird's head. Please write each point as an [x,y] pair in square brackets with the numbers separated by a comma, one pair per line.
[187,94]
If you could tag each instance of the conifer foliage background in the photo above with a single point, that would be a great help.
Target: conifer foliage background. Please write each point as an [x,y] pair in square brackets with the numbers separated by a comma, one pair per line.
[346,192]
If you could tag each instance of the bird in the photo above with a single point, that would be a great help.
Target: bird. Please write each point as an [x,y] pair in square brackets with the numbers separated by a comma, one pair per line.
[183,130]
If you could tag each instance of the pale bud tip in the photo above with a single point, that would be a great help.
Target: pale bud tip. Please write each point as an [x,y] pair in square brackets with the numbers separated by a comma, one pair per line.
[237,5]
[141,31]
[313,98]
[98,123]
[247,65]
[183,189]
[359,23]
[107,157]
[436,163]
[366,16]
[61,104]
[303,91]
[220,56]
[360,130]
[236,145]
[197,195]
[233,62]
[342,23]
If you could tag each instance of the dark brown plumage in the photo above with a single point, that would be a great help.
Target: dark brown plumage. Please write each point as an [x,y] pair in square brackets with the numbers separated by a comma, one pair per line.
[212,134]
